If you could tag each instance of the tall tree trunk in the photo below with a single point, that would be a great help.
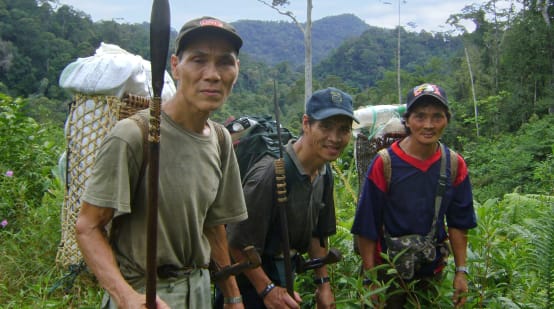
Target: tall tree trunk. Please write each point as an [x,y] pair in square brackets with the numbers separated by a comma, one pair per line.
[307,32]
[544,11]
[472,91]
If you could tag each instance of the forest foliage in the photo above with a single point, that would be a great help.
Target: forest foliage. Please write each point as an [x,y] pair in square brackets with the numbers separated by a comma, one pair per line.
[505,132]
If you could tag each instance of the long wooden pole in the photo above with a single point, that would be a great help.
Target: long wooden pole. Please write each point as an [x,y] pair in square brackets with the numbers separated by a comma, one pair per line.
[159,46]
[282,202]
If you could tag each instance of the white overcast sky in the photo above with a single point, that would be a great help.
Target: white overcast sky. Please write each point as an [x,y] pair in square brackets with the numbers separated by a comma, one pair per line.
[429,15]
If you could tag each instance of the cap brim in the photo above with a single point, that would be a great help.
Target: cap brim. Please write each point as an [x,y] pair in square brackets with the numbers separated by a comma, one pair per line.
[233,38]
[437,98]
[330,112]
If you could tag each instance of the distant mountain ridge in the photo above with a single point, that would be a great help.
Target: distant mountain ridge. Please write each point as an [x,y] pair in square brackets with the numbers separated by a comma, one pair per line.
[272,42]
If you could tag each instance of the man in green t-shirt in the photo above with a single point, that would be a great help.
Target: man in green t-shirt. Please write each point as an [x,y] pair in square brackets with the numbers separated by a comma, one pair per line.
[199,185]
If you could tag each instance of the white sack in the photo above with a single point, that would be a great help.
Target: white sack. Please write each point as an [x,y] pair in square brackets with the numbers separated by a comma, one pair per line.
[112,71]
[372,118]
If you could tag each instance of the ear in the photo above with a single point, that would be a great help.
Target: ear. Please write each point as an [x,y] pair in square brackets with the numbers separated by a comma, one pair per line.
[305,123]
[174,62]
[238,71]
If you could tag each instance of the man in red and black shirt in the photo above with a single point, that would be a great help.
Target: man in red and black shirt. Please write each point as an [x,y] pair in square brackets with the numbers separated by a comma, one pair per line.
[405,204]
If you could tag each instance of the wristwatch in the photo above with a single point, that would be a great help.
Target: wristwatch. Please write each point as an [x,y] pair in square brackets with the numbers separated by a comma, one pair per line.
[321,280]
[232,300]
[462,269]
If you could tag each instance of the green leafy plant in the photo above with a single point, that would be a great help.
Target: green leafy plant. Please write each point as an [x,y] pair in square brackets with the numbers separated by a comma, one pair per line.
[28,150]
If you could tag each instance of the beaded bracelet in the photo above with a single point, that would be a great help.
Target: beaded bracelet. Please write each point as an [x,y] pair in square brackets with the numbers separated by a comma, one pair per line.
[267,289]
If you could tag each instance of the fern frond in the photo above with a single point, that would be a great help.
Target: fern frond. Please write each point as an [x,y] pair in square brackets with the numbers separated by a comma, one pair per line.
[543,255]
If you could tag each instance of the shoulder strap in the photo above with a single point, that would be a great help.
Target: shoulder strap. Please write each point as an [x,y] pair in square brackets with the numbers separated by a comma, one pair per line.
[453,165]
[387,170]
[142,122]
[221,139]
[441,187]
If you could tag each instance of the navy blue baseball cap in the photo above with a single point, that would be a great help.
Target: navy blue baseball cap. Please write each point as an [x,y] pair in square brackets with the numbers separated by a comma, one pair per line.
[426,91]
[330,102]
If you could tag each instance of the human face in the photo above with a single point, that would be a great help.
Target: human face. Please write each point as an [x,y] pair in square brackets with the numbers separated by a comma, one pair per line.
[427,123]
[328,137]
[205,72]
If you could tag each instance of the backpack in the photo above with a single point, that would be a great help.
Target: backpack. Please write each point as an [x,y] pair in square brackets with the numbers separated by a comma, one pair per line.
[90,119]
[254,137]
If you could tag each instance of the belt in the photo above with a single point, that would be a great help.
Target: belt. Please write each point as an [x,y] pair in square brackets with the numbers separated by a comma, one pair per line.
[172,271]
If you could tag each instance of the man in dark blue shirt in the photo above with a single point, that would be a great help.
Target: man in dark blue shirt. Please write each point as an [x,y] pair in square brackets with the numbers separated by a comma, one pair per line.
[404,204]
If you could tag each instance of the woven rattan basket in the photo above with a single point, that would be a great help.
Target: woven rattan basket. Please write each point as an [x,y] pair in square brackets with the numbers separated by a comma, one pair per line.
[366,149]
[90,119]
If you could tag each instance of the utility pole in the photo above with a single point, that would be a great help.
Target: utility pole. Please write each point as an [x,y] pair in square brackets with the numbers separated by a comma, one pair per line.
[398,59]
[398,53]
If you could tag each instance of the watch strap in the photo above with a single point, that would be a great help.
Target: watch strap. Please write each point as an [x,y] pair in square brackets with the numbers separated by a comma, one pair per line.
[321,280]
[462,269]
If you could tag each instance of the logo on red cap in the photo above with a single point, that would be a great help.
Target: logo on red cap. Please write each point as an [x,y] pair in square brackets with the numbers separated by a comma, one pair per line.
[427,88]
[211,22]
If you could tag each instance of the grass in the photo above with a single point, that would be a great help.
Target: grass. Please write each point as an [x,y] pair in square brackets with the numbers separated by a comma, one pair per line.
[28,269]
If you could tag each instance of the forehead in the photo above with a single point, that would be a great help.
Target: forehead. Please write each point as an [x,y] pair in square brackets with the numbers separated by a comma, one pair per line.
[338,119]
[428,109]
[428,104]
[212,42]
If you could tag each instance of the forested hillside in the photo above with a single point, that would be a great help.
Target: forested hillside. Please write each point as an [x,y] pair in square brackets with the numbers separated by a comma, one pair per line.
[361,63]
[48,39]
[500,85]
[274,42]
[509,58]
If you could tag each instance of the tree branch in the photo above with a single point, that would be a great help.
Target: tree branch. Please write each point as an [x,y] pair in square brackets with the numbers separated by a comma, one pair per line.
[286,13]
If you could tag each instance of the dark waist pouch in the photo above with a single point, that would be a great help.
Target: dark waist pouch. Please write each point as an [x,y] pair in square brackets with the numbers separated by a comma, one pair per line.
[412,253]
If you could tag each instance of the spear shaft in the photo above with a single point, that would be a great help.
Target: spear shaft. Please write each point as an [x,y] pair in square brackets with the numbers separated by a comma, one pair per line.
[159,46]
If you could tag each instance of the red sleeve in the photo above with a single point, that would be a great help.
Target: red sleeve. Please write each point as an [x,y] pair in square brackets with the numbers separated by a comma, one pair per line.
[376,174]
[462,171]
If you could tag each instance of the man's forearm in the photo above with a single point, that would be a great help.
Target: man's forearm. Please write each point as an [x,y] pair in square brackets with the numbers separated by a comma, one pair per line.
[100,259]
[217,237]
[367,249]
[316,251]
[458,242]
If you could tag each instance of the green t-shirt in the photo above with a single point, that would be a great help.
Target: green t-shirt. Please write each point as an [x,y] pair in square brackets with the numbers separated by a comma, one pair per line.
[198,187]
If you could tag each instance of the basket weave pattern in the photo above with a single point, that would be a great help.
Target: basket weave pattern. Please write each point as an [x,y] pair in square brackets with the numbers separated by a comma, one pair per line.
[90,119]
[366,149]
